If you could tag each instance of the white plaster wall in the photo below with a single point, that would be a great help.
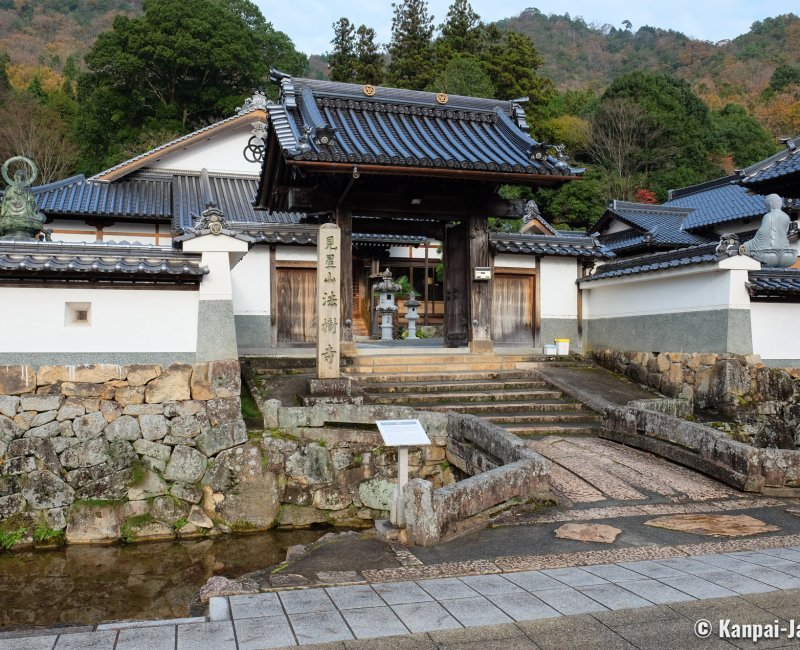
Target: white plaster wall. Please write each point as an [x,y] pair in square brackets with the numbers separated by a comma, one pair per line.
[653,293]
[251,283]
[557,289]
[223,153]
[296,254]
[507,261]
[415,252]
[616,226]
[122,320]
[771,324]
[79,231]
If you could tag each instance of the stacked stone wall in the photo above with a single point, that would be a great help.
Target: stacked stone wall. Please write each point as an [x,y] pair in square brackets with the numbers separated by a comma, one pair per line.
[761,405]
[99,453]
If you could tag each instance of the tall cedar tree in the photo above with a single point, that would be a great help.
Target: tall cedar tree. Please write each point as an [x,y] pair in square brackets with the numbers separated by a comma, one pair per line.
[369,66]
[460,33]
[342,60]
[410,49]
[180,65]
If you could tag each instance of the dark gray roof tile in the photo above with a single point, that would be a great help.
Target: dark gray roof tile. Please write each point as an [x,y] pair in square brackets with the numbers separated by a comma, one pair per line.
[692,255]
[774,283]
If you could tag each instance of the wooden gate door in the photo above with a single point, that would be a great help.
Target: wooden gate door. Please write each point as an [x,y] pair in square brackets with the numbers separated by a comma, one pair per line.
[512,308]
[294,305]
[456,286]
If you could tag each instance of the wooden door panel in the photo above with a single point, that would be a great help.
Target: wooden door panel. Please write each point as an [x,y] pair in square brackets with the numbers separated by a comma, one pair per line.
[456,287]
[294,305]
[512,309]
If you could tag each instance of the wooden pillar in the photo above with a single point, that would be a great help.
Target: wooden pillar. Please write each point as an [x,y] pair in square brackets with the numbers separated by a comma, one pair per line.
[344,219]
[480,329]
[456,285]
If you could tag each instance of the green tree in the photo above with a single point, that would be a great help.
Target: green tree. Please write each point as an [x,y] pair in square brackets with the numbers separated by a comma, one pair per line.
[181,64]
[369,63]
[784,75]
[342,59]
[511,61]
[681,127]
[460,33]
[410,49]
[739,134]
[576,205]
[463,75]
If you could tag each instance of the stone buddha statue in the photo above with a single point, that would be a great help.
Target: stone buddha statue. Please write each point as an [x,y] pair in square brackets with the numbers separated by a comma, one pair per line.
[770,246]
[20,217]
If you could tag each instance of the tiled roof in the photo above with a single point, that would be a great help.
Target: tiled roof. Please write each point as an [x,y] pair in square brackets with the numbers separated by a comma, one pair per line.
[572,246]
[774,283]
[623,240]
[690,256]
[60,261]
[153,196]
[144,198]
[234,196]
[660,224]
[335,122]
[775,171]
[716,202]
[378,239]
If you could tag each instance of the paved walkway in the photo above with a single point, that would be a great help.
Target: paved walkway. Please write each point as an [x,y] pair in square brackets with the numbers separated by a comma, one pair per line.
[535,608]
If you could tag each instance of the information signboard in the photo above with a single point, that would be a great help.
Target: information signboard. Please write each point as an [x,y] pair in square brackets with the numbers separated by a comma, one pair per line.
[402,433]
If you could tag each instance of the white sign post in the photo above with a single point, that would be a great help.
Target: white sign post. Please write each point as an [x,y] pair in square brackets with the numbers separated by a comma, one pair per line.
[401,434]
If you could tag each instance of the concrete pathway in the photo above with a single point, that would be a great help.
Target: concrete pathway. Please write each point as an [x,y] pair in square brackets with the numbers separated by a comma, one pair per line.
[643,604]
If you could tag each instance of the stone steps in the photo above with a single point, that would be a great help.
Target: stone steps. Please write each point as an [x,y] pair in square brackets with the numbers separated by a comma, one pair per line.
[495,408]
[527,431]
[371,382]
[508,420]
[455,386]
[503,389]
[466,397]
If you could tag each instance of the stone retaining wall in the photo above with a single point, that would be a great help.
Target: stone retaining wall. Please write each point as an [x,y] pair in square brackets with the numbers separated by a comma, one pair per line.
[100,452]
[763,403]
[774,471]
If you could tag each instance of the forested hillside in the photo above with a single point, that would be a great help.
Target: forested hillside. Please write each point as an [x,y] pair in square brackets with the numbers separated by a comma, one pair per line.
[754,69]
[42,37]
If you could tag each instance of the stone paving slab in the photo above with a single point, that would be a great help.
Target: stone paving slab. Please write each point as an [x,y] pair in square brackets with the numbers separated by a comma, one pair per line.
[748,586]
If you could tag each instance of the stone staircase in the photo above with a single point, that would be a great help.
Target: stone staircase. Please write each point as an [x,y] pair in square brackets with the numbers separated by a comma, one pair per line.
[503,389]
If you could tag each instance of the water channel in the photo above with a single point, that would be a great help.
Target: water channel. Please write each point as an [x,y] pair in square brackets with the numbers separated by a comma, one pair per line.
[92,584]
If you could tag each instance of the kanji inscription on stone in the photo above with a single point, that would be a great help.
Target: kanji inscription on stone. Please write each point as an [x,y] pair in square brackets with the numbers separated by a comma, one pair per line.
[328,301]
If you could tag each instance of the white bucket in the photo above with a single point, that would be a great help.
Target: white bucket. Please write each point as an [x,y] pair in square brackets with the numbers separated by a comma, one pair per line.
[562,346]
[549,349]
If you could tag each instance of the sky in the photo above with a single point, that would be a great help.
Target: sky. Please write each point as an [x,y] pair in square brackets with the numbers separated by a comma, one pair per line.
[308,22]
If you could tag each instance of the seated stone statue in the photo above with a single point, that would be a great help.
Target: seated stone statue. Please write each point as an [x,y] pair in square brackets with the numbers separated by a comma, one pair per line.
[20,217]
[770,246]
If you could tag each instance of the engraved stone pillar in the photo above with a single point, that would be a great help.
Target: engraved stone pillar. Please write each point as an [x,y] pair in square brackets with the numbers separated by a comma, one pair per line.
[329,269]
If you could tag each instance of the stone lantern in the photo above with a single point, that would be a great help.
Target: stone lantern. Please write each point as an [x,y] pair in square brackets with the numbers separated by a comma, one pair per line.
[386,288]
[411,316]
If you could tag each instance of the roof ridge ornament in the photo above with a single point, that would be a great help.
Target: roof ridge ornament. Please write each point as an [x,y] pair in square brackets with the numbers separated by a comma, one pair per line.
[257,101]
[211,218]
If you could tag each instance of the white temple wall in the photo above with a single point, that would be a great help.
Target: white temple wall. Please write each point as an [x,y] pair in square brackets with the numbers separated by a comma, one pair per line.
[558,295]
[125,325]
[223,154]
[77,231]
[251,300]
[703,308]
[774,333]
